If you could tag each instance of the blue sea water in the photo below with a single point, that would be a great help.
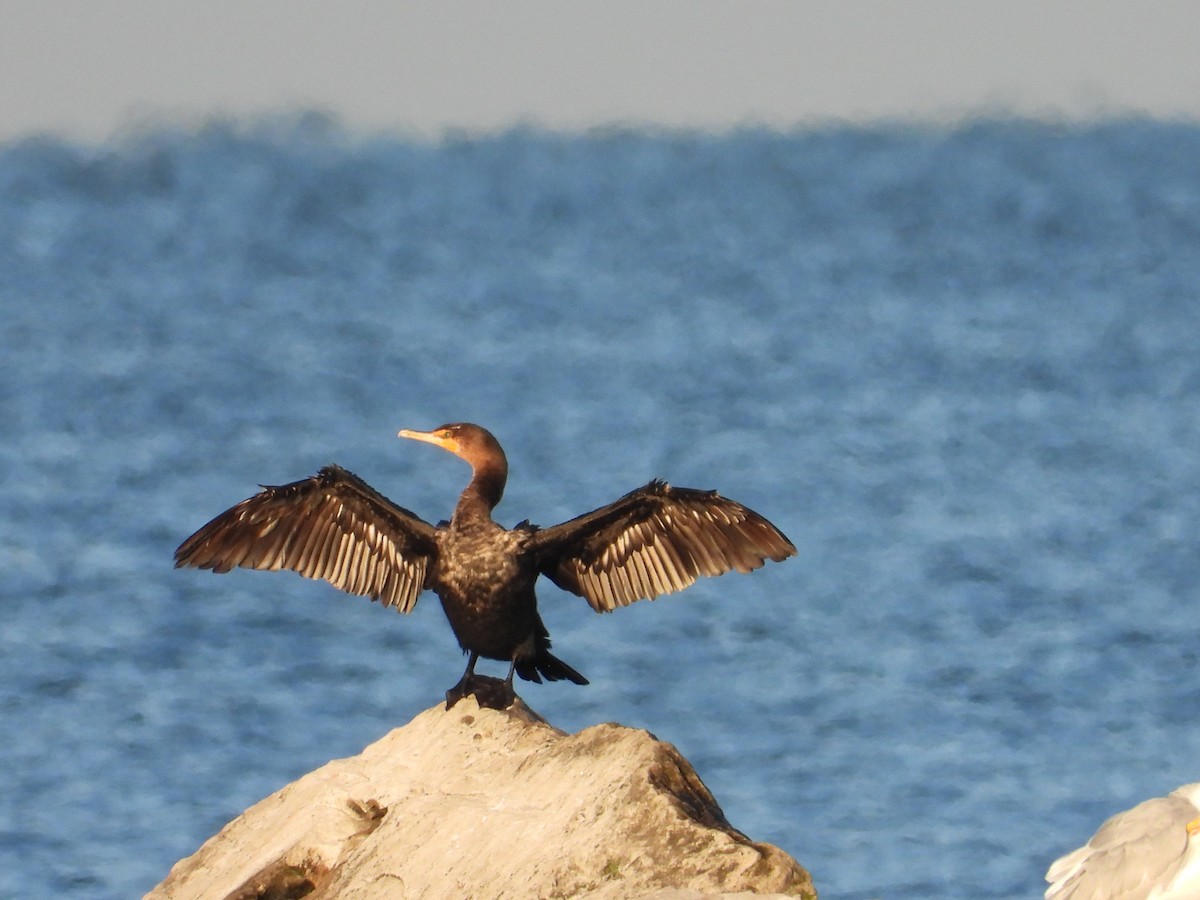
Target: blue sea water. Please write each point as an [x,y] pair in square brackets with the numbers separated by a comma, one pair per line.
[959,367]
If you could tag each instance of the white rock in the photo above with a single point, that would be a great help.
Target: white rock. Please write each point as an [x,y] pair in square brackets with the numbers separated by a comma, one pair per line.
[477,803]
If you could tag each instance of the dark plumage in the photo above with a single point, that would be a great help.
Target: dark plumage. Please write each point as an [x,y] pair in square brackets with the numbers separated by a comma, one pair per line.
[336,527]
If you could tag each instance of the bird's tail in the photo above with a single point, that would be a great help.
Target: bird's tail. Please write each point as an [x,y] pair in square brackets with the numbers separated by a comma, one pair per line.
[544,663]
[551,668]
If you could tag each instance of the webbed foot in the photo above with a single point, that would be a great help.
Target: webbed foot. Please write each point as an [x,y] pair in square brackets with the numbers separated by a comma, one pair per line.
[490,693]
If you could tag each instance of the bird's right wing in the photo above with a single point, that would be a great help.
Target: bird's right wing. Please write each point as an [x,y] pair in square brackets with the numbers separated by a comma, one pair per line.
[332,526]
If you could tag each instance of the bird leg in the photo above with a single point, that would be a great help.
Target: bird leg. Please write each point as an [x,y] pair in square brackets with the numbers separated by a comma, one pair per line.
[466,684]
[490,693]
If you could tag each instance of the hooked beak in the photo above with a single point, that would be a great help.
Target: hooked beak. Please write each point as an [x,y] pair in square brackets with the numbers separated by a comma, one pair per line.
[437,438]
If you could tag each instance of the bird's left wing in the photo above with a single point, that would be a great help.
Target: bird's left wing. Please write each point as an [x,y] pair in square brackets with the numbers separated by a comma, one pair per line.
[333,526]
[655,540]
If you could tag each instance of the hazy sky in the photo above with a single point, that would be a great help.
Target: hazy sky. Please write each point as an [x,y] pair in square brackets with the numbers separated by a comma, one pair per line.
[94,68]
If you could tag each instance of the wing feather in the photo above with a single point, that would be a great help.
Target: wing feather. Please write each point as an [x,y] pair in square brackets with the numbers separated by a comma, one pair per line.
[332,526]
[655,540]
[309,544]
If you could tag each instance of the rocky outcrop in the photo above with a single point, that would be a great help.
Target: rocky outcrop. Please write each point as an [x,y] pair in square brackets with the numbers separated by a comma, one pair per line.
[481,803]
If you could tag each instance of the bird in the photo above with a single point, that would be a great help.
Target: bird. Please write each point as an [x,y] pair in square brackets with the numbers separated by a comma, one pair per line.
[1149,852]
[334,526]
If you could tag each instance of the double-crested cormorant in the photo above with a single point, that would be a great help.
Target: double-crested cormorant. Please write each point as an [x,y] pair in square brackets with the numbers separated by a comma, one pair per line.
[336,527]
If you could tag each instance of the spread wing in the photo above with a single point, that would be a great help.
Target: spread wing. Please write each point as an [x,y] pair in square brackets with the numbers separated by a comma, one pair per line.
[333,526]
[655,540]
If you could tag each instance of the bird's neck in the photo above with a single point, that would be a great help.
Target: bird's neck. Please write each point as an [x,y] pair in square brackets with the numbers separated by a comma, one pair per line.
[480,497]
